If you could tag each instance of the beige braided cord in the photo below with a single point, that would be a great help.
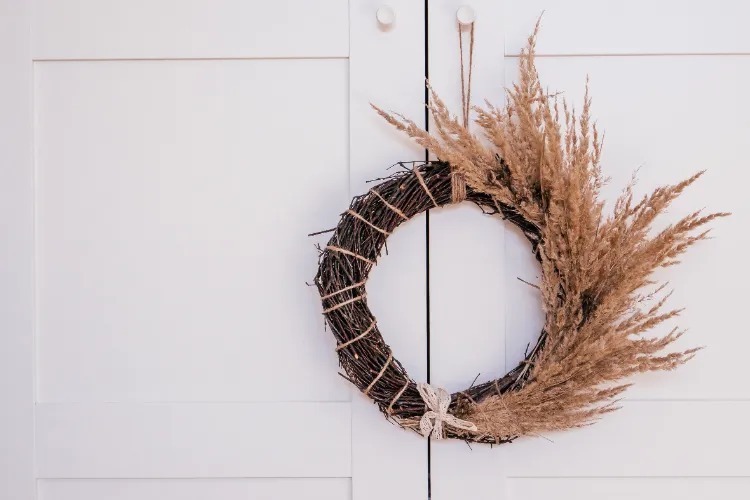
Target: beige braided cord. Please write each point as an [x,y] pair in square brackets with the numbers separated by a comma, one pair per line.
[347,252]
[397,396]
[458,183]
[358,337]
[382,371]
[345,289]
[376,228]
[424,186]
[394,209]
[346,302]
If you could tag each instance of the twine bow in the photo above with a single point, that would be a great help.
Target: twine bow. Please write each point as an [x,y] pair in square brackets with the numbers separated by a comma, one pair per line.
[437,401]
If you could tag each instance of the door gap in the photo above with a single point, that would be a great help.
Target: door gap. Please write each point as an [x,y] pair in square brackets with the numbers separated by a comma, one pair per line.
[427,222]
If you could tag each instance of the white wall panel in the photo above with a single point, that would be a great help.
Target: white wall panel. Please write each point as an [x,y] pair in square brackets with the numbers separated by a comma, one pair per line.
[387,69]
[658,488]
[672,116]
[16,254]
[196,489]
[172,29]
[584,27]
[174,203]
[178,440]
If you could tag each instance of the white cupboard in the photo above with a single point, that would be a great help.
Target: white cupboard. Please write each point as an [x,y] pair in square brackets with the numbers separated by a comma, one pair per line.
[162,162]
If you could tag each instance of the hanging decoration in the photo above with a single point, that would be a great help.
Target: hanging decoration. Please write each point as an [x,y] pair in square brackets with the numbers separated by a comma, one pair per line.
[537,167]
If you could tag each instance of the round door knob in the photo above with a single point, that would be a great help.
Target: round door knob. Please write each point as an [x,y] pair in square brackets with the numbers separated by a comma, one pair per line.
[465,15]
[386,16]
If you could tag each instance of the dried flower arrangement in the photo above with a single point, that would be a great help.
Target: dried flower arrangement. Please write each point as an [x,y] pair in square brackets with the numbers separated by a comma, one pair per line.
[541,171]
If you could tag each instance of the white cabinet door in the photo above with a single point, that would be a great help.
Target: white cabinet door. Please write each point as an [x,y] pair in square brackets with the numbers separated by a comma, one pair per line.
[162,165]
[668,81]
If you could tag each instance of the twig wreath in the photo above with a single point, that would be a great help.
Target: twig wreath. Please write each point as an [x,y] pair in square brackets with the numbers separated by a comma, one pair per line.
[539,169]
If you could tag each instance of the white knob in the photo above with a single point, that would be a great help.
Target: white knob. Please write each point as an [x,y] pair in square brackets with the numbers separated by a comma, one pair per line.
[385,16]
[465,15]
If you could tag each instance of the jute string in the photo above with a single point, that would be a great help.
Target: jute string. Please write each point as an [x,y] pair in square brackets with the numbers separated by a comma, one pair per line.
[382,371]
[395,209]
[358,337]
[376,228]
[424,186]
[466,85]
[344,303]
[345,289]
[458,183]
[398,395]
[347,252]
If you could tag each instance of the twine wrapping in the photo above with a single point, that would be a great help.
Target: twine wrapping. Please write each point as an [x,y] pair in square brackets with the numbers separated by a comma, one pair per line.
[437,401]
[466,86]
[380,374]
[458,187]
[395,209]
[358,337]
[458,183]
[424,186]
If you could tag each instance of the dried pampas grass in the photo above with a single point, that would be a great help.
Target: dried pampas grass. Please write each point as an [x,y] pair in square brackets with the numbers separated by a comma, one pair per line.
[539,167]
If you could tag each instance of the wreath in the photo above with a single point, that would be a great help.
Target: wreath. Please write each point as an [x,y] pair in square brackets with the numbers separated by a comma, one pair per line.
[538,167]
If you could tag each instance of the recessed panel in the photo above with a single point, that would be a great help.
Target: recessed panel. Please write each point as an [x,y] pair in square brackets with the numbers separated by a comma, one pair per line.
[592,27]
[668,118]
[174,200]
[193,440]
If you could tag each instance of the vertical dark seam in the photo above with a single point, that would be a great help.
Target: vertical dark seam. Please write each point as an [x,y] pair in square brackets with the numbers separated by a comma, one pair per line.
[427,222]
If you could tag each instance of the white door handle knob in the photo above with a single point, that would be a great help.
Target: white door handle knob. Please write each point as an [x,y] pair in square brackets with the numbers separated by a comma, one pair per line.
[386,16]
[465,15]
